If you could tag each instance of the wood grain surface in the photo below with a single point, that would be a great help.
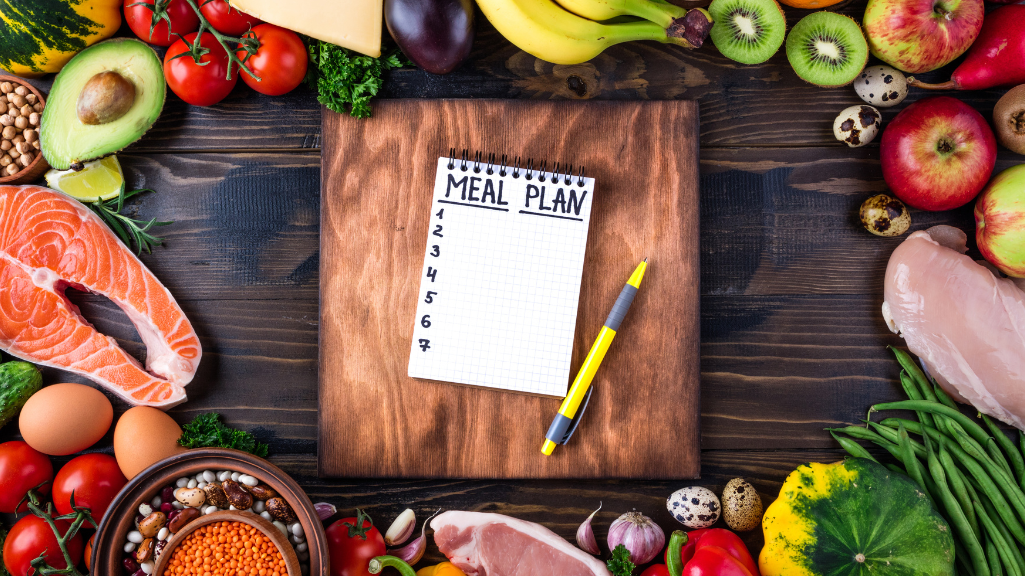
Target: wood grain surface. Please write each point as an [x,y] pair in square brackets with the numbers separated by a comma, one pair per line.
[376,202]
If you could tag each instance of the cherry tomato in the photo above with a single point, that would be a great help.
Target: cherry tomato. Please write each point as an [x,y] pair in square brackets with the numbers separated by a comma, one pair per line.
[22,468]
[656,570]
[139,14]
[352,549]
[225,19]
[30,537]
[87,557]
[280,61]
[202,84]
[94,478]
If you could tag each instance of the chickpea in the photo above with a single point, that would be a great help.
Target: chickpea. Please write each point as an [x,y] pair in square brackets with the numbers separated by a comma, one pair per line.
[21,90]
[33,118]
[25,110]
[30,135]
[8,132]
[31,98]
[18,138]
[6,160]
[35,144]
[13,111]
[21,122]
[38,107]
[6,87]
[23,147]
[6,120]
[12,169]
[18,100]
[26,159]
[5,145]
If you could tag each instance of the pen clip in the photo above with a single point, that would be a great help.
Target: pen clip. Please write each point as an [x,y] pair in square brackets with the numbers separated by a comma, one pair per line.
[579,415]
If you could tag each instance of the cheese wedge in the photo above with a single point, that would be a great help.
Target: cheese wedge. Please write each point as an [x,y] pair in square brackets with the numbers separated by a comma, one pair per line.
[353,24]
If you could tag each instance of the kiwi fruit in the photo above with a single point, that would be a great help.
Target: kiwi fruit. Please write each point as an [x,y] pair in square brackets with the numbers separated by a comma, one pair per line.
[827,49]
[1009,119]
[748,31]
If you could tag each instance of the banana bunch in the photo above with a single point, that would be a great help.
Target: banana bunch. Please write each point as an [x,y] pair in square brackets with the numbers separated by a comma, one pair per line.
[575,31]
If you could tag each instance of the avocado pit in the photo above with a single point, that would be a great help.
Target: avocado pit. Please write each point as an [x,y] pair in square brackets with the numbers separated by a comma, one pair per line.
[106,97]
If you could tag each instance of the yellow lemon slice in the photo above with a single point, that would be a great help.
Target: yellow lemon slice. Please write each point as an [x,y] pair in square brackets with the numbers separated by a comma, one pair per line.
[99,180]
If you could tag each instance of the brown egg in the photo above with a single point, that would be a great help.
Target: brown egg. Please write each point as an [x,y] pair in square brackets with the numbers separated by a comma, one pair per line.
[144,436]
[62,419]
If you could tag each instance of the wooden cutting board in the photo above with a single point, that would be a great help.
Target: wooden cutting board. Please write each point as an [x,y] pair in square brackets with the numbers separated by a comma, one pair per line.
[376,191]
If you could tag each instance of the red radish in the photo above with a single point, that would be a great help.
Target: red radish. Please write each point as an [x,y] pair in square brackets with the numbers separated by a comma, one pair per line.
[997,58]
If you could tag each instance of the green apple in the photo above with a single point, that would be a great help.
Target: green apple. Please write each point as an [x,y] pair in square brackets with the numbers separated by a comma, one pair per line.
[1000,222]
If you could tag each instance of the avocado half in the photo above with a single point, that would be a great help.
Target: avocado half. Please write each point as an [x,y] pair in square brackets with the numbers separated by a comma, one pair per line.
[67,141]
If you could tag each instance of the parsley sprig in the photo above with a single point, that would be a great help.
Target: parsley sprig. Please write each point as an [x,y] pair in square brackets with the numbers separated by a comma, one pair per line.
[206,430]
[620,564]
[346,81]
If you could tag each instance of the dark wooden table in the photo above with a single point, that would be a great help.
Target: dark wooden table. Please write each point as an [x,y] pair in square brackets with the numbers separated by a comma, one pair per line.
[793,339]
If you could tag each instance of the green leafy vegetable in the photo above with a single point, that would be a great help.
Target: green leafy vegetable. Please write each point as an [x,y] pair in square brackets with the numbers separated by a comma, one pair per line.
[346,81]
[206,430]
[620,564]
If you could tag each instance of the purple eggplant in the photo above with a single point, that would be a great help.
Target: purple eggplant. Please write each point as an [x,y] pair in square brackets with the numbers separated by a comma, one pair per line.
[435,34]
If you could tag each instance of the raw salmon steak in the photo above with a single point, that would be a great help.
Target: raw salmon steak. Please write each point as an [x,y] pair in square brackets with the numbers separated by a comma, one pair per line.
[49,242]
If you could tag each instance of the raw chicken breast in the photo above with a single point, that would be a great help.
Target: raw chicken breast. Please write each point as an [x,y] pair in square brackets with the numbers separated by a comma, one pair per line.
[965,323]
[496,545]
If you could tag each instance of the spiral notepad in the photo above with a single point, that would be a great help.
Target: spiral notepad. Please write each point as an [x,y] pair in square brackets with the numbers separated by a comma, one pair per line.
[500,285]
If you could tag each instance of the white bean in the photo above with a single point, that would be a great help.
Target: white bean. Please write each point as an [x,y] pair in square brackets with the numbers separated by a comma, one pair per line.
[296,539]
[162,535]
[302,547]
[177,504]
[232,508]
[181,482]
[266,516]
[248,480]
[145,509]
[146,567]
[135,536]
[192,483]
[224,475]
[129,547]
[259,506]
[201,485]
[156,502]
[209,476]
[280,526]
[210,510]
[235,476]
[199,477]
[297,529]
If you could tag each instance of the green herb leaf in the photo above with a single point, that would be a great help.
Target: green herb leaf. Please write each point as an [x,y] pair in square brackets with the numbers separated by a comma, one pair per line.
[346,81]
[620,564]
[129,230]
[206,430]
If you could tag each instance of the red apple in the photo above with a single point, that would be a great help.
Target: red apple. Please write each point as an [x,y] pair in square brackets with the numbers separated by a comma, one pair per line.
[937,154]
[921,35]
[1000,221]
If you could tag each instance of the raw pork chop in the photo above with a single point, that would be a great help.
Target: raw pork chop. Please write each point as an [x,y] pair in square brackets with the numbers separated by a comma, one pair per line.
[966,324]
[495,545]
[48,242]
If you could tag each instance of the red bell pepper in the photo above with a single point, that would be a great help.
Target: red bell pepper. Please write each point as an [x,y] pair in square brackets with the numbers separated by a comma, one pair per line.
[716,552]
[656,570]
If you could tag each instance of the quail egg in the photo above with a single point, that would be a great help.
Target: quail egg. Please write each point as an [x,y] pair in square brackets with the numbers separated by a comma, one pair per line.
[741,505]
[881,86]
[857,125]
[884,215]
[694,507]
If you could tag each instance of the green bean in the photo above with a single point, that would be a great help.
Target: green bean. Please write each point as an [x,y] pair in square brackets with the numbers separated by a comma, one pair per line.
[993,535]
[1017,462]
[852,447]
[973,429]
[915,393]
[914,467]
[954,512]
[997,456]
[1006,535]
[1006,479]
[959,557]
[890,435]
[958,488]
[908,363]
[993,558]
[987,484]
[896,469]
[941,395]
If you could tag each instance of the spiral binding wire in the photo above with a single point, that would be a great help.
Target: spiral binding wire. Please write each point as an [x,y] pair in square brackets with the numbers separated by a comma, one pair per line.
[504,166]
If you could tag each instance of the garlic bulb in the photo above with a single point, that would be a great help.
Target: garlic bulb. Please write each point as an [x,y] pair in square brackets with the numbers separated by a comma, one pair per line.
[585,535]
[641,536]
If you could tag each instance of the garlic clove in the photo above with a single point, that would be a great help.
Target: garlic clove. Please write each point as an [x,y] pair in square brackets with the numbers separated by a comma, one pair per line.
[412,553]
[585,535]
[325,510]
[401,529]
[641,536]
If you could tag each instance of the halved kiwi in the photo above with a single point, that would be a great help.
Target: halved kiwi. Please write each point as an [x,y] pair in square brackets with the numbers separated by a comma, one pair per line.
[748,31]
[827,49]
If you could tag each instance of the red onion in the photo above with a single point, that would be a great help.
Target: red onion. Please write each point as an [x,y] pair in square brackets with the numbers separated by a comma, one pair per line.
[641,536]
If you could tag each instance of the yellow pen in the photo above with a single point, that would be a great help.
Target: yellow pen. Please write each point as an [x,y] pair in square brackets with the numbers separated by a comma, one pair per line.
[580,392]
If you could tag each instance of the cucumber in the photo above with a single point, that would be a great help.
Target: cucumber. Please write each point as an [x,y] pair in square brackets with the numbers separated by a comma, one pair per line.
[18,381]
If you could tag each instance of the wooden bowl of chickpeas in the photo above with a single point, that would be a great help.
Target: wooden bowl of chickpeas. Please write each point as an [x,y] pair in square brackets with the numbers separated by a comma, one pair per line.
[22,110]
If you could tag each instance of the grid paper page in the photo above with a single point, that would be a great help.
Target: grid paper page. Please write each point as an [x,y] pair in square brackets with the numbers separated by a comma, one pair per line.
[501,279]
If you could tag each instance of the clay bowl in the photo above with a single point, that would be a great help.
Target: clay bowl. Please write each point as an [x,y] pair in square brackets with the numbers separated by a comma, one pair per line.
[120,517]
[34,171]
[254,520]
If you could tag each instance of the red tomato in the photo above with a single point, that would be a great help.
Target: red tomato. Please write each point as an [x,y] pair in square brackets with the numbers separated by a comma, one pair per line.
[29,538]
[225,19]
[656,570]
[22,468]
[94,478]
[280,61]
[139,14]
[203,84]
[352,549]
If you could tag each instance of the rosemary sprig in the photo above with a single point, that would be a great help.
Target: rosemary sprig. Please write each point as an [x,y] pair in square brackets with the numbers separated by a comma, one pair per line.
[129,230]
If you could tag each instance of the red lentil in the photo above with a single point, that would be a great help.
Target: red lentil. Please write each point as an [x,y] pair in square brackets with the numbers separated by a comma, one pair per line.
[226,549]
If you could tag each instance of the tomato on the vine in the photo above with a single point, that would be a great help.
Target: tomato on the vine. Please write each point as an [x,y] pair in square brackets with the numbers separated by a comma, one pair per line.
[656,570]
[22,468]
[93,478]
[225,19]
[353,543]
[280,62]
[203,84]
[30,537]
[146,19]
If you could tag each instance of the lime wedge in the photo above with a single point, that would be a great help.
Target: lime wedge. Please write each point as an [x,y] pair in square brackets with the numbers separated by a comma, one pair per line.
[99,180]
